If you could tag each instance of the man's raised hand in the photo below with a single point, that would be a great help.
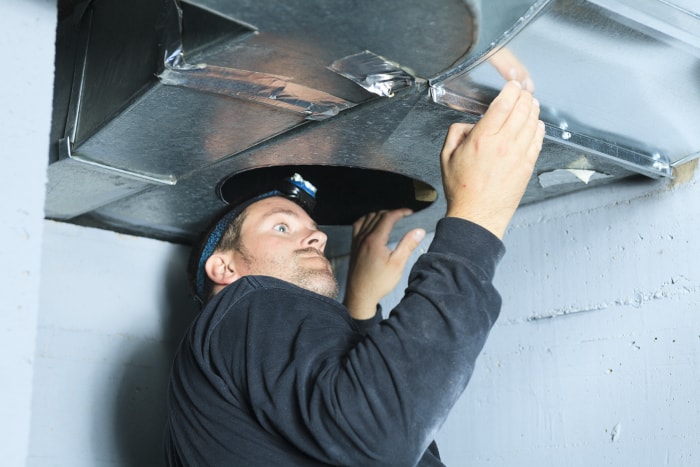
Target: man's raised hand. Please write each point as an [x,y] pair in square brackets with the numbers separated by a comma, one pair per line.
[486,167]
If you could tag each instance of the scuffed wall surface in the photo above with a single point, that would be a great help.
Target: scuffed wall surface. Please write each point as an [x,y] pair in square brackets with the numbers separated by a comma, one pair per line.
[595,359]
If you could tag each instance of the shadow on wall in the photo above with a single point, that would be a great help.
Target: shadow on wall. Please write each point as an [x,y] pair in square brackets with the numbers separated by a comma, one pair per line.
[140,401]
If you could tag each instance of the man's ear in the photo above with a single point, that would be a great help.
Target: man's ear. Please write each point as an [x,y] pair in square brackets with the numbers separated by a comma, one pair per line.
[220,268]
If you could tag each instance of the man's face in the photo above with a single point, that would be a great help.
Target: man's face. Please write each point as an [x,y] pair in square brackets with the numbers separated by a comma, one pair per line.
[279,239]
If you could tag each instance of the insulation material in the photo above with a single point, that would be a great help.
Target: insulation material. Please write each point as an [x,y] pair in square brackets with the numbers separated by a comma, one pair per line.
[565,176]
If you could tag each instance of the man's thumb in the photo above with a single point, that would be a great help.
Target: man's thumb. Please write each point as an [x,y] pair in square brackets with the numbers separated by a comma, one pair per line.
[408,243]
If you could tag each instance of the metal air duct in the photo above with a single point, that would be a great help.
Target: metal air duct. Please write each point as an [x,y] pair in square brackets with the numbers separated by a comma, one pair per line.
[160,105]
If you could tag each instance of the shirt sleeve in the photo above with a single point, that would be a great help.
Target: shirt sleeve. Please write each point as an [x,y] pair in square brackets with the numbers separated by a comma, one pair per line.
[364,325]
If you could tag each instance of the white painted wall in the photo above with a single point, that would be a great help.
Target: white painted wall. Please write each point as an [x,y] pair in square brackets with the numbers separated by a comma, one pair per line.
[113,308]
[594,361]
[26,86]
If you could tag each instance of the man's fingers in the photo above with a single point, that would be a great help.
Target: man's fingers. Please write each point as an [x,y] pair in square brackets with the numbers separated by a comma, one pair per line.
[532,133]
[360,225]
[455,135]
[378,223]
[508,114]
[406,245]
[537,141]
[500,109]
[521,123]
[510,68]
[387,220]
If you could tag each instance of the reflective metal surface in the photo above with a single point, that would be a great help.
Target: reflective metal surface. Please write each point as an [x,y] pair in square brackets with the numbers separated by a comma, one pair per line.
[158,102]
[609,84]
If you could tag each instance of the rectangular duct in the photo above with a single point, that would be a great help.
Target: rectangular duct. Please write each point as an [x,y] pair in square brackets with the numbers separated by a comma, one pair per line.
[157,101]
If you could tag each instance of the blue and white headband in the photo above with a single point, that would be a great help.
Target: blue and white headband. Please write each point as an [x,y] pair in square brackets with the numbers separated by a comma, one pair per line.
[294,188]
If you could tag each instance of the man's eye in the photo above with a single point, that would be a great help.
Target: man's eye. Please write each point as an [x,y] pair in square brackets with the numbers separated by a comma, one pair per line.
[281,228]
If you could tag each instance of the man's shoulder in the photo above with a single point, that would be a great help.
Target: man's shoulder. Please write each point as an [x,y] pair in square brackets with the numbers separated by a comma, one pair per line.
[249,284]
[266,285]
[270,293]
[267,299]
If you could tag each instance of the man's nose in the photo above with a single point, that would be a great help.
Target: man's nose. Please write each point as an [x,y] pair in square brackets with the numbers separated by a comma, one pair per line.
[316,239]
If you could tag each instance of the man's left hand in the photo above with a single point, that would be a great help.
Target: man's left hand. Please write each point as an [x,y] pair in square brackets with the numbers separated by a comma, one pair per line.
[374,268]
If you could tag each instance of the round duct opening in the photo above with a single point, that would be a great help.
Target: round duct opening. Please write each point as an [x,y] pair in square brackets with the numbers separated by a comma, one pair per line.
[344,193]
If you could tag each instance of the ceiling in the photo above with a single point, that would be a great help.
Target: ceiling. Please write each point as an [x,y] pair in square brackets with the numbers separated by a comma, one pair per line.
[161,108]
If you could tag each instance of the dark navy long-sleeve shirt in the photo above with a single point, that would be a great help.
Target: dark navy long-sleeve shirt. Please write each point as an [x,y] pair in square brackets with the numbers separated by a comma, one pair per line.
[272,374]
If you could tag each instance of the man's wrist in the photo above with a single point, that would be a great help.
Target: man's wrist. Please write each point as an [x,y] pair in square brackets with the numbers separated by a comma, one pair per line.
[361,310]
[494,222]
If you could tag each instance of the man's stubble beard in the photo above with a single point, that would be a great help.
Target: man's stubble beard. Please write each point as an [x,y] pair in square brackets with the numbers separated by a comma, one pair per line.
[320,281]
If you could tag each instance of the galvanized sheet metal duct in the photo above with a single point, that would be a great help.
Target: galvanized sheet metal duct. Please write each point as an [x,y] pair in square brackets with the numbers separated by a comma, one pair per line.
[158,102]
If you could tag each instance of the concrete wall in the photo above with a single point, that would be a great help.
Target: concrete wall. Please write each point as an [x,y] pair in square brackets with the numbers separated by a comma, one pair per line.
[594,361]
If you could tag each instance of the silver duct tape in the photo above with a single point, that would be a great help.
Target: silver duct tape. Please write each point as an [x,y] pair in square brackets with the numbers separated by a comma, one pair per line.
[374,73]
[176,61]
[253,86]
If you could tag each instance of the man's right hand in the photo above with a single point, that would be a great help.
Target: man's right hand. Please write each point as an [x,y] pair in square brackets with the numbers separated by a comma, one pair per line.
[486,167]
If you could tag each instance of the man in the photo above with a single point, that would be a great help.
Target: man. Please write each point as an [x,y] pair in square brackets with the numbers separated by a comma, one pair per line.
[274,371]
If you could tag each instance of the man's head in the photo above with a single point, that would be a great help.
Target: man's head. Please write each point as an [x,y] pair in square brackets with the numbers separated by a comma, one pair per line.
[270,234]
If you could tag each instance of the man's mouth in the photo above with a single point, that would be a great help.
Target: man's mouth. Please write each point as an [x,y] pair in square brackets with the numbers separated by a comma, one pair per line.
[310,253]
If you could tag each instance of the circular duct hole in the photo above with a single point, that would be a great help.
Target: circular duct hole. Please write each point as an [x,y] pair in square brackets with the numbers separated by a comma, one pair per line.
[344,193]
